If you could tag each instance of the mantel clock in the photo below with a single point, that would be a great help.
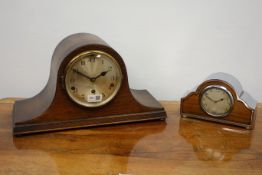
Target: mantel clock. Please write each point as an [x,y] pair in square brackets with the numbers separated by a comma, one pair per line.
[88,86]
[222,99]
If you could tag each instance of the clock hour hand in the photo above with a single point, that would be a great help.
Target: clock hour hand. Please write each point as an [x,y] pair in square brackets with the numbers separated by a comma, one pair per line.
[101,74]
[82,74]
[219,100]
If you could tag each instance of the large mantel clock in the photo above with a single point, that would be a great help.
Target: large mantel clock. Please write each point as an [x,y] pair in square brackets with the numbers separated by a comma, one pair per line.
[222,99]
[88,86]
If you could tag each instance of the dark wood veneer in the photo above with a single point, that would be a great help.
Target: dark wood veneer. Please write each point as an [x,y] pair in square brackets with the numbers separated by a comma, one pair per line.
[52,109]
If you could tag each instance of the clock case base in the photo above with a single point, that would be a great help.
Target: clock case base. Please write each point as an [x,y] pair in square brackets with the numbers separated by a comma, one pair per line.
[212,119]
[52,109]
[22,129]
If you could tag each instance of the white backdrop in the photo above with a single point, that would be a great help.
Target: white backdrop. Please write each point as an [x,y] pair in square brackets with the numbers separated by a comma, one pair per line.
[169,46]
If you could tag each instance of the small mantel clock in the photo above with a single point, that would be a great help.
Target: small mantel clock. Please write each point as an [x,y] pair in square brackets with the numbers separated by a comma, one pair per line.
[220,99]
[88,86]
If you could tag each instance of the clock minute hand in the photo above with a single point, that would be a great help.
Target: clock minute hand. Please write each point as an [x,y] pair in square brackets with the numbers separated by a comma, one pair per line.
[219,100]
[82,74]
[210,98]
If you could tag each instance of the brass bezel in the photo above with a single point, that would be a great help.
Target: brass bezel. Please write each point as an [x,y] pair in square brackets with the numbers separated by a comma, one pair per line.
[76,59]
[223,89]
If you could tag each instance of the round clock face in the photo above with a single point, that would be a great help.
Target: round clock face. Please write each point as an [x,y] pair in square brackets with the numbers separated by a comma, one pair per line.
[93,78]
[216,101]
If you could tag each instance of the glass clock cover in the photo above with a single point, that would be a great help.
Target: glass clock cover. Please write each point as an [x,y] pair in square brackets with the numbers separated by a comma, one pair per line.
[217,101]
[93,78]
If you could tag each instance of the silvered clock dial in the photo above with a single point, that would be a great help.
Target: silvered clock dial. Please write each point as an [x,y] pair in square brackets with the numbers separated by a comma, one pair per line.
[216,101]
[93,78]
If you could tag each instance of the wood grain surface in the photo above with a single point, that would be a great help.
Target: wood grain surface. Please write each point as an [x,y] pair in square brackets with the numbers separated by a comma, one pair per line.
[175,146]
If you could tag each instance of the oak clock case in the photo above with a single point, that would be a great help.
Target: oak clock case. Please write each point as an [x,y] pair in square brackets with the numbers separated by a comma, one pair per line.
[88,86]
[220,98]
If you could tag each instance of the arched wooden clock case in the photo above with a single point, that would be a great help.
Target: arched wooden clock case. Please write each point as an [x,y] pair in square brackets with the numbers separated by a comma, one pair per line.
[243,108]
[52,109]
